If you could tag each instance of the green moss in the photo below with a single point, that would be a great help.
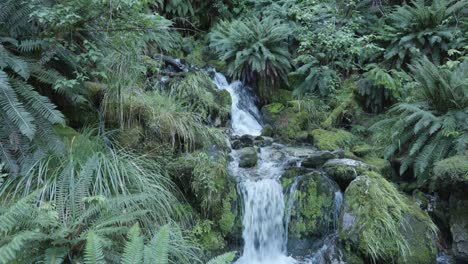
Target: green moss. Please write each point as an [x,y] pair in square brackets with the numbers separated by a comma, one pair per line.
[450,171]
[273,109]
[219,65]
[331,140]
[130,137]
[313,198]
[228,213]
[282,96]
[382,222]
[196,56]
[382,165]
[362,150]
[224,101]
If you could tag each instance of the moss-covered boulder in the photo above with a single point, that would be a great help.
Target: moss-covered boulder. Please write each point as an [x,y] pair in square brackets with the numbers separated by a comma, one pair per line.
[212,192]
[449,172]
[287,120]
[343,171]
[331,140]
[312,209]
[459,224]
[248,157]
[317,159]
[380,224]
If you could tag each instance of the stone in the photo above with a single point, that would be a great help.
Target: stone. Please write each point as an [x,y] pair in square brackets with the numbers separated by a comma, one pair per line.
[248,157]
[288,121]
[380,223]
[312,203]
[267,131]
[317,159]
[343,171]
[331,140]
[459,224]
[242,142]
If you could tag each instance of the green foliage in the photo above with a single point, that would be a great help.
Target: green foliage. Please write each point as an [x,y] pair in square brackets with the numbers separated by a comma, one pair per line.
[225,258]
[432,128]
[418,29]
[256,51]
[450,172]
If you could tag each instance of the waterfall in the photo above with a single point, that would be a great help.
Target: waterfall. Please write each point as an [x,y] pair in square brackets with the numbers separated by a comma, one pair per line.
[264,231]
[244,113]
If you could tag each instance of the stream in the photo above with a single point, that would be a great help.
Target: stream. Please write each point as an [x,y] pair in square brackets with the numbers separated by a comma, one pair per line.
[265,210]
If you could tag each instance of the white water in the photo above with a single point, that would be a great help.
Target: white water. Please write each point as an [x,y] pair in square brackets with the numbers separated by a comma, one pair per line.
[244,113]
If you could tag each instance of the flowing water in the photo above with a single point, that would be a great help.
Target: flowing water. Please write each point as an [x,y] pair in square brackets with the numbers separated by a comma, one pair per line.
[264,220]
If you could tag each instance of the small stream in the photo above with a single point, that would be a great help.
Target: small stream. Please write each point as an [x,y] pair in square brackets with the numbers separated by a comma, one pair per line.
[265,215]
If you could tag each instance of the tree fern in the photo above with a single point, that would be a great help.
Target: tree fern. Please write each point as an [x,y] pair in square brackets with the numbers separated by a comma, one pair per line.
[430,130]
[256,51]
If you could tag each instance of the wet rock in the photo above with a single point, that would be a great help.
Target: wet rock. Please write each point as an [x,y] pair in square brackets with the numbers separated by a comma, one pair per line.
[379,223]
[248,157]
[317,159]
[343,171]
[310,202]
[459,225]
[242,142]
[339,153]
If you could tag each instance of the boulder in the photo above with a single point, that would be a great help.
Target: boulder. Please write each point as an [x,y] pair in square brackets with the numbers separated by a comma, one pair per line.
[267,131]
[317,159]
[242,142]
[248,157]
[310,202]
[343,171]
[331,140]
[380,224]
[289,121]
[459,225]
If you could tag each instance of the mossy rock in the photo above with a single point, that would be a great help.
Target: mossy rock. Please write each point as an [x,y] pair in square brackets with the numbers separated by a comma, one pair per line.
[196,56]
[287,120]
[362,150]
[248,157]
[312,206]
[282,96]
[332,140]
[459,224]
[224,101]
[343,171]
[382,165]
[380,224]
[449,172]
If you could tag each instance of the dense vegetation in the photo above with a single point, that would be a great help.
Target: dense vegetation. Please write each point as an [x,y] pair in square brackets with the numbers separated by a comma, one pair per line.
[113,151]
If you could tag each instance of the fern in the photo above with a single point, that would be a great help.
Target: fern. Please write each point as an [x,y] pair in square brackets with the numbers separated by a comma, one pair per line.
[225,258]
[93,251]
[159,247]
[133,252]
[430,130]
[256,51]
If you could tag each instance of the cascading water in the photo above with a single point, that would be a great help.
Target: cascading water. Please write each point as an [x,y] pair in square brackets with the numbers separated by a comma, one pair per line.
[244,114]
[265,216]
[263,219]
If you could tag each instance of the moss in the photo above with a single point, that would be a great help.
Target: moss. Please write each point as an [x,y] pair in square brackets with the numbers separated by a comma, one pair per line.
[362,150]
[382,224]
[382,165]
[273,109]
[196,56]
[224,101]
[228,213]
[331,140]
[313,198]
[282,96]
[287,121]
[219,65]
[450,171]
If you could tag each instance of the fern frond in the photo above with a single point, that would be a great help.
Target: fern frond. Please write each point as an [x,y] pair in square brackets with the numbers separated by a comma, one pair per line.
[225,258]
[93,253]
[133,252]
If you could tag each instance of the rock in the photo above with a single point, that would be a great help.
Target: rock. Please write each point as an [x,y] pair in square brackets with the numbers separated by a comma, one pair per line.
[242,142]
[451,172]
[339,153]
[288,121]
[343,171]
[379,223]
[331,140]
[459,225]
[248,157]
[312,205]
[267,131]
[382,165]
[363,150]
[317,159]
